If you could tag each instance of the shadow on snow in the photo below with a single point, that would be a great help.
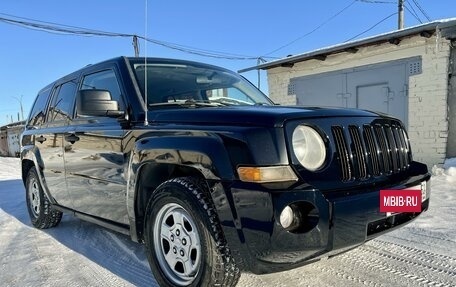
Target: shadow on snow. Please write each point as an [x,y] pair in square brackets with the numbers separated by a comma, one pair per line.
[115,252]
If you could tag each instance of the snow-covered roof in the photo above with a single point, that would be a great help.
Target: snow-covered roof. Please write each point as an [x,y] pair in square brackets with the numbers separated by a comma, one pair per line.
[425,30]
[11,125]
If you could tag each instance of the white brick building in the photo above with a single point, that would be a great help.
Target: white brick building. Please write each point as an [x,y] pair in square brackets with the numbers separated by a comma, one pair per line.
[405,73]
[10,136]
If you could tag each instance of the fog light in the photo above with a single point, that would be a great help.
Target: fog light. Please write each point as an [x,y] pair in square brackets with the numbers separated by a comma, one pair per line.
[299,217]
[286,217]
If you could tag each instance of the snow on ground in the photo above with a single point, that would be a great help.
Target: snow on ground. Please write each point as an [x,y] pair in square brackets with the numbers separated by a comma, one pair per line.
[77,253]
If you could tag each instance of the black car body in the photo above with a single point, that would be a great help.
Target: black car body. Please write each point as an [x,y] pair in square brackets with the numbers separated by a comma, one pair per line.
[99,149]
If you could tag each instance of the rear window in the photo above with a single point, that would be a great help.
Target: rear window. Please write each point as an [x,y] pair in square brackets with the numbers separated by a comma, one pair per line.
[38,114]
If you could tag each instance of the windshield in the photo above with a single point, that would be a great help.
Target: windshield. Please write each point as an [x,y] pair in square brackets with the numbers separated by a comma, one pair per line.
[171,84]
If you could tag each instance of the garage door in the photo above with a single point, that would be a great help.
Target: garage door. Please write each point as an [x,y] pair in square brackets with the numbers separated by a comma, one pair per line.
[380,87]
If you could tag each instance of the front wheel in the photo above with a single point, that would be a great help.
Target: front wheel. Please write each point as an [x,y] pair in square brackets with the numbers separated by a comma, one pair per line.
[185,243]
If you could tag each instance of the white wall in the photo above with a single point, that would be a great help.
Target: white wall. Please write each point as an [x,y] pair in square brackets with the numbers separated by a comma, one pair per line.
[428,123]
[14,135]
[3,143]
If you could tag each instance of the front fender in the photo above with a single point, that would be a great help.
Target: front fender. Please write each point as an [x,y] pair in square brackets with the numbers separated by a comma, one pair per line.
[204,152]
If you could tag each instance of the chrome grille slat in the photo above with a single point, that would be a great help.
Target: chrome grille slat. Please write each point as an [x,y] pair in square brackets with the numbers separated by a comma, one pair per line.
[344,156]
[406,149]
[358,151]
[372,150]
[392,148]
[384,152]
[400,147]
[379,149]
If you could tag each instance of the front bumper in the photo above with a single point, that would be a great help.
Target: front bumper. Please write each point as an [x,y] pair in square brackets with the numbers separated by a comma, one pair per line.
[338,221]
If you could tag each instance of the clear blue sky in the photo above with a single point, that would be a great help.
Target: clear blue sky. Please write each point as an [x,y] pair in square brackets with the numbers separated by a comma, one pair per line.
[31,59]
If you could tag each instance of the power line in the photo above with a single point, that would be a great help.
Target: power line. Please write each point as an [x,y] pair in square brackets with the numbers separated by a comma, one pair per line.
[412,11]
[60,29]
[89,32]
[406,3]
[372,27]
[422,10]
[408,7]
[52,23]
[312,31]
[197,51]
[377,2]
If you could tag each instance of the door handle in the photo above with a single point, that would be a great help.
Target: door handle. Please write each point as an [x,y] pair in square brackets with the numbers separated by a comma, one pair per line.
[72,138]
[40,139]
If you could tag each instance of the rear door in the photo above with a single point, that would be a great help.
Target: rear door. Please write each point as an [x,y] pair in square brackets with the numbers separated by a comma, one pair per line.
[94,154]
[50,140]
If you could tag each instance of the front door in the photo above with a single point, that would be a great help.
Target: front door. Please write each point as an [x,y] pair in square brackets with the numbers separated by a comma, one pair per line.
[94,157]
[95,168]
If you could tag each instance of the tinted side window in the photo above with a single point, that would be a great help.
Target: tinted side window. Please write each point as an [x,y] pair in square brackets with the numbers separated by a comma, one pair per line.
[38,113]
[62,104]
[105,80]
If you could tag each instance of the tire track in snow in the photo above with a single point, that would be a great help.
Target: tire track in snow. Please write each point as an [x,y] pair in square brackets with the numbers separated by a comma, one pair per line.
[385,244]
[383,262]
[346,274]
[427,257]
[322,273]
[407,261]
[370,265]
[439,236]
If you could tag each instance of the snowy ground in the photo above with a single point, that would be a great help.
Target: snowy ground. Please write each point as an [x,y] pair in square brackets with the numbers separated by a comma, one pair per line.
[77,253]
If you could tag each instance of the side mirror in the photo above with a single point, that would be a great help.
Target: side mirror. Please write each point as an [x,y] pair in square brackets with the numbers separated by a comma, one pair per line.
[99,103]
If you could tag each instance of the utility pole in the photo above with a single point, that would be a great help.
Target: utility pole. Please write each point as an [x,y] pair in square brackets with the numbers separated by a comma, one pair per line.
[259,61]
[259,74]
[400,13]
[136,45]
[20,103]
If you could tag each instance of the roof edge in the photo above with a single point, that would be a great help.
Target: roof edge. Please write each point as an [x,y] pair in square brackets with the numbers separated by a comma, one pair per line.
[346,47]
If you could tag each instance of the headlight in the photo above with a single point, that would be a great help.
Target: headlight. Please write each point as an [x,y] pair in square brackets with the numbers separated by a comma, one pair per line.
[308,147]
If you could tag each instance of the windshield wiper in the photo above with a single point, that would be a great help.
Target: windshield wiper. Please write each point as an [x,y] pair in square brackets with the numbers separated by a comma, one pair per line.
[187,103]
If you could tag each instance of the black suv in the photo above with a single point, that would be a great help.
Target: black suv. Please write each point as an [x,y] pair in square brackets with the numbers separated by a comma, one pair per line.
[196,163]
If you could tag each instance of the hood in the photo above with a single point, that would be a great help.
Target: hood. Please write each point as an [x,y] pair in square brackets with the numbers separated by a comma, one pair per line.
[269,116]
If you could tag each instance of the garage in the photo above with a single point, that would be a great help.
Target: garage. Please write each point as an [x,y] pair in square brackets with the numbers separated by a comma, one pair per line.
[406,73]
[380,87]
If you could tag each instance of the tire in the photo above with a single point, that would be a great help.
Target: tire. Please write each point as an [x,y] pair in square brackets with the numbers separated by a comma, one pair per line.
[184,240]
[41,213]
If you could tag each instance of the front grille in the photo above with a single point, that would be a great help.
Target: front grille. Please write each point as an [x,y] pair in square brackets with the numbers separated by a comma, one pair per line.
[371,150]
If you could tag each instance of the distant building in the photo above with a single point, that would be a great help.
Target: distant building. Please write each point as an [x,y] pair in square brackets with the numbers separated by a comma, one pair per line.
[406,73]
[3,142]
[10,136]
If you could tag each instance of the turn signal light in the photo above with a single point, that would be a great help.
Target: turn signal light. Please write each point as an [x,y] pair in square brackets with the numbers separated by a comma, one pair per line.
[266,174]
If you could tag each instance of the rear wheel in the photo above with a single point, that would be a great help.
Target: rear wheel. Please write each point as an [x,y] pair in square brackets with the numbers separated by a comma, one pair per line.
[41,213]
[185,244]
